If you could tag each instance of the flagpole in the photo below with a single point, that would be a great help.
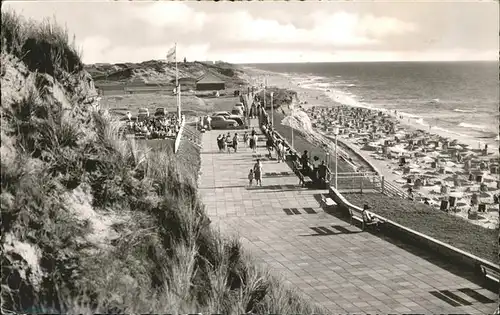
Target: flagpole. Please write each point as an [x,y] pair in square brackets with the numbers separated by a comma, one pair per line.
[177,86]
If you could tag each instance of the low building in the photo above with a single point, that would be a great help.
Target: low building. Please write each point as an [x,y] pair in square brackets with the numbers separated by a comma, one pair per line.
[210,82]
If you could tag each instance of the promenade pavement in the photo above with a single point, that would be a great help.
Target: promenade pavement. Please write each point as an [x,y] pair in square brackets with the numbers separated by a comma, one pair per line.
[337,265]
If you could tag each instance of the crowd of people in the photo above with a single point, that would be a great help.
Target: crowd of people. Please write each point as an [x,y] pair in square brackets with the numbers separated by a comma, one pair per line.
[153,127]
[316,169]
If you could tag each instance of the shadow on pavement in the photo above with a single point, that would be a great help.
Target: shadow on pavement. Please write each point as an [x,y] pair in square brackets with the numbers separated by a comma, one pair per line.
[423,253]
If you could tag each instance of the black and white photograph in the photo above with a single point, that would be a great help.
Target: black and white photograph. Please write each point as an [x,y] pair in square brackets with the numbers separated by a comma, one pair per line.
[250,157]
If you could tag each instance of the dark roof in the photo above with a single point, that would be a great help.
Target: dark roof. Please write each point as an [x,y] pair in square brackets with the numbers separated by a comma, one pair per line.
[209,78]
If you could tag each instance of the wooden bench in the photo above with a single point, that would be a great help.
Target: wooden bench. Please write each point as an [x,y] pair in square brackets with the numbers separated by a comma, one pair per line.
[365,218]
[303,179]
[327,201]
[490,274]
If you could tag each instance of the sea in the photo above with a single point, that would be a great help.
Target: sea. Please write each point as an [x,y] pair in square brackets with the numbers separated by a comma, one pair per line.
[457,97]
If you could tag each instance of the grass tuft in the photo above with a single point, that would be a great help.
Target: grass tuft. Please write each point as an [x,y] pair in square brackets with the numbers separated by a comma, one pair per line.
[44,47]
[92,223]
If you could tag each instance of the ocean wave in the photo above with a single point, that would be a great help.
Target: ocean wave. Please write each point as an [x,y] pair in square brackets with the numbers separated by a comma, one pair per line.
[450,132]
[472,126]
[464,110]
[408,115]
[345,84]
[420,121]
[345,98]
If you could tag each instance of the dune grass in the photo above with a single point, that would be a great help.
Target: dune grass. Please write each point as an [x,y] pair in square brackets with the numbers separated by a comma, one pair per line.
[44,47]
[95,224]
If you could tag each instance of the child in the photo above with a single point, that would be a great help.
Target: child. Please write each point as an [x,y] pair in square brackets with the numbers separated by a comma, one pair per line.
[250,177]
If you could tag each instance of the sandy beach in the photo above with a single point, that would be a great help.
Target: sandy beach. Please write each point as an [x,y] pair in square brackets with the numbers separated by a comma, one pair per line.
[426,162]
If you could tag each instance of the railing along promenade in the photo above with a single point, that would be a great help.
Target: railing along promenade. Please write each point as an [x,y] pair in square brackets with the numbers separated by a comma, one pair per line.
[488,270]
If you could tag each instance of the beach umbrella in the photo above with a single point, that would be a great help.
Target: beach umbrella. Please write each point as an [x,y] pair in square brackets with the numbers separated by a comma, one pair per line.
[449,164]
[433,154]
[398,149]
[457,194]
[427,159]
[455,147]
[448,169]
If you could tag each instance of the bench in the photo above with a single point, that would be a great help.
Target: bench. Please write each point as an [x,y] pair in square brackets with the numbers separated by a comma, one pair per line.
[327,201]
[365,218]
[490,274]
[304,180]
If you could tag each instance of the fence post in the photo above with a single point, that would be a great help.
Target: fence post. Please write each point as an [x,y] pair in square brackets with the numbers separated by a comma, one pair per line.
[382,184]
[362,177]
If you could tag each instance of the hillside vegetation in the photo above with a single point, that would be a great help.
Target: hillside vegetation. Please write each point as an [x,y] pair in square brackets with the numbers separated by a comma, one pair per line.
[91,223]
[155,72]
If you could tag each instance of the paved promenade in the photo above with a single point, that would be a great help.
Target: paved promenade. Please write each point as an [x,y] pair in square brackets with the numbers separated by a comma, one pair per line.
[335,264]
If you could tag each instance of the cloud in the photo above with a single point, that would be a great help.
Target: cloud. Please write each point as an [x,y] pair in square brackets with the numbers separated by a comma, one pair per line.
[172,14]
[278,31]
[339,29]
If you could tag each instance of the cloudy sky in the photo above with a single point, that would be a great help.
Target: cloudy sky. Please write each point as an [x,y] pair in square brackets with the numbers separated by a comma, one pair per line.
[249,32]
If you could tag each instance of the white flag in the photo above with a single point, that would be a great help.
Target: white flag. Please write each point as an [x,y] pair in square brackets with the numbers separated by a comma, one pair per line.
[171,55]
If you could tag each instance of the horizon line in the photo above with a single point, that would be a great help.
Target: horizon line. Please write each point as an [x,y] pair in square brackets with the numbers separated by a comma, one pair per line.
[303,62]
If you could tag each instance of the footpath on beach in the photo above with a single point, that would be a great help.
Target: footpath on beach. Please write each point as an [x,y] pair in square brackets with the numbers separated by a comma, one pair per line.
[334,263]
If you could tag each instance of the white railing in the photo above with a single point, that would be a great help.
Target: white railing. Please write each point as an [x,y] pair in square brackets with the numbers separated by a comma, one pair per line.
[179,135]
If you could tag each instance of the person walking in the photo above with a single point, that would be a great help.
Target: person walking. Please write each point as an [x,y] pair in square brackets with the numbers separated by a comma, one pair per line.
[270,145]
[257,170]
[219,142]
[250,177]
[254,140]
[235,142]
[280,151]
[245,138]
[229,143]
[252,143]
[224,143]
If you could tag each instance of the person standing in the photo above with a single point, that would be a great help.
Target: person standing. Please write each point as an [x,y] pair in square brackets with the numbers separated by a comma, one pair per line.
[279,151]
[304,159]
[322,170]
[270,145]
[257,170]
[219,142]
[235,142]
[209,122]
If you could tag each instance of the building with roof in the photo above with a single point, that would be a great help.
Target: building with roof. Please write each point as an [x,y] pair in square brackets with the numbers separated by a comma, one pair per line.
[210,82]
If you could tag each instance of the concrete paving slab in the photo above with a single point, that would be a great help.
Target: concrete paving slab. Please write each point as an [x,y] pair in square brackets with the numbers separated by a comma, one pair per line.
[336,264]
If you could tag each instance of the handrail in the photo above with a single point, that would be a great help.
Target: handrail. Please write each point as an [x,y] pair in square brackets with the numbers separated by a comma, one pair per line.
[179,135]
[342,200]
